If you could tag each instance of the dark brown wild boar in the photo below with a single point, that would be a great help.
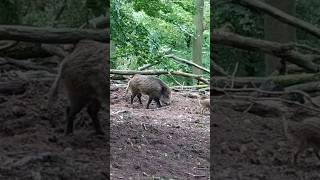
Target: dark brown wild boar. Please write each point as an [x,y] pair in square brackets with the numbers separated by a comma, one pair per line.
[84,76]
[151,86]
[303,135]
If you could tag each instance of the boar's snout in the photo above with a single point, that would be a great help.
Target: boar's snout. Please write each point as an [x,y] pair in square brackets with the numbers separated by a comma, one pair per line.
[165,100]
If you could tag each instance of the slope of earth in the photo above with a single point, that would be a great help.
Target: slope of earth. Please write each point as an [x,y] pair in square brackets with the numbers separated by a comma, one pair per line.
[167,142]
[246,146]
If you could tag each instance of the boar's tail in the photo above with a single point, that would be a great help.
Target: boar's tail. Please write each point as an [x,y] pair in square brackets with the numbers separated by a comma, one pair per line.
[53,93]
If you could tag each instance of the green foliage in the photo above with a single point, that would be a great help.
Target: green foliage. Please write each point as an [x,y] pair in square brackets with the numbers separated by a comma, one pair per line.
[97,7]
[9,12]
[151,7]
[143,31]
[246,23]
[74,13]
[308,10]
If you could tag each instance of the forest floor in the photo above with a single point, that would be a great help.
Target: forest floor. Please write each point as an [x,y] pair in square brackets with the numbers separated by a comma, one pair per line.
[167,142]
[247,146]
[170,142]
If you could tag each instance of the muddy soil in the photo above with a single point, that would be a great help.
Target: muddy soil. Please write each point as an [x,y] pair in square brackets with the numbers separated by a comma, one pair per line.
[170,142]
[249,147]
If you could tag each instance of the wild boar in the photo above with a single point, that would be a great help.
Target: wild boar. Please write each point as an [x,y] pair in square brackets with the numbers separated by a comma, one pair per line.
[303,135]
[151,86]
[84,76]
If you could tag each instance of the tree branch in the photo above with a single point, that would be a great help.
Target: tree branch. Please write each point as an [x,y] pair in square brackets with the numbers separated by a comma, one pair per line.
[187,62]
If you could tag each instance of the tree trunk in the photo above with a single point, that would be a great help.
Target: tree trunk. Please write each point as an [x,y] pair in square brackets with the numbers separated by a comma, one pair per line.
[274,30]
[198,36]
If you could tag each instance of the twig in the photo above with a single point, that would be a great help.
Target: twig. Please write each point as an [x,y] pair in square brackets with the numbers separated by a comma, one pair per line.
[248,109]
[145,67]
[196,175]
[270,92]
[175,79]
[234,74]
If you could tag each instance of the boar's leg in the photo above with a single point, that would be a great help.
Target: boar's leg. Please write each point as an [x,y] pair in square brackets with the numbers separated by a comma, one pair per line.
[149,101]
[76,104]
[93,109]
[301,146]
[132,97]
[316,151]
[158,102]
[139,97]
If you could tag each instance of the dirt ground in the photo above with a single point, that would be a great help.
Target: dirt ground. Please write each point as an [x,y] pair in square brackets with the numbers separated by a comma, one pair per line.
[33,145]
[248,147]
[170,142]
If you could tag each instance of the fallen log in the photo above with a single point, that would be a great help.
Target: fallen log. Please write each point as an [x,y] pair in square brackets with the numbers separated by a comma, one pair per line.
[51,35]
[24,50]
[274,48]
[154,72]
[306,87]
[54,50]
[187,62]
[286,92]
[35,75]
[12,87]
[282,80]
[26,65]
[7,44]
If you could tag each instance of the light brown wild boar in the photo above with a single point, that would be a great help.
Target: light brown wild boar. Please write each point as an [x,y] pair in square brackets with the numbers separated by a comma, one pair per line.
[303,135]
[84,76]
[204,103]
[151,86]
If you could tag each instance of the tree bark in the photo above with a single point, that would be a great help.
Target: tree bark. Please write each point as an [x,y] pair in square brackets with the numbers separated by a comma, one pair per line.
[198,37]
[275,30]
